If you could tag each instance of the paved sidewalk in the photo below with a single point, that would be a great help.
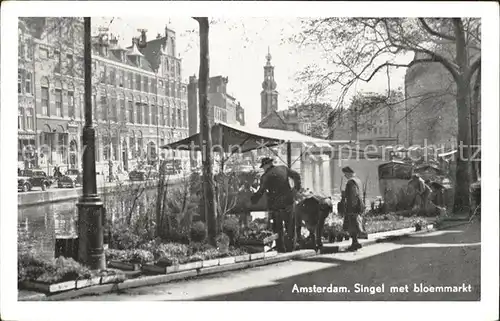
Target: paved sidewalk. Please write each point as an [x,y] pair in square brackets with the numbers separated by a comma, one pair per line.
[429,259]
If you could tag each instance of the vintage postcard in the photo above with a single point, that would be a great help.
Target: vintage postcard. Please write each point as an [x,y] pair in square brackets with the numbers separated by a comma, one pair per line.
[250,151]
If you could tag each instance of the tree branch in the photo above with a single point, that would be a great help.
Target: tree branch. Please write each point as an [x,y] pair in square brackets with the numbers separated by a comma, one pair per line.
[473,67]
[451,67]
[434,32]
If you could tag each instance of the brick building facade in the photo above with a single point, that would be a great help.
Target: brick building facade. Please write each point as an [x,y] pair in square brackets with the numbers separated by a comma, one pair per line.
[222,106]
[139,101]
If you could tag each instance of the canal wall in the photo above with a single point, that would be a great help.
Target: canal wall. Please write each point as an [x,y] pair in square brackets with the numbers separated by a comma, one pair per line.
[60,194]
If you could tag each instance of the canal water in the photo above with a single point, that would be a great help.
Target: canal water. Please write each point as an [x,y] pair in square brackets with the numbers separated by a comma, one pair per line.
[40,225]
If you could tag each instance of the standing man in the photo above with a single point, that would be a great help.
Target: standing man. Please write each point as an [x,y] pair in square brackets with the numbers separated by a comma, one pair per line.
[280,199]
[354,207]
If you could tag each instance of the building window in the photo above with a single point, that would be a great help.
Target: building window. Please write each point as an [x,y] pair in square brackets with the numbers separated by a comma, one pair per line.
[146,114]
[174,121]
[172,90]
[167,89]
[44,53]
[20,73]
[45,101]
[168,116]
[112,76]
[58,93]
[153,86]
[145,83]
[71,105]
[57,57]
[102,73]
[131,111]
[114,110]
[137,82]
[104,108]
[139,112]
[154,115]
[179,118]
[122,79]
[130,80]
[162,116]
[69,64]
[29,119]
[184,118]
[123,111]
[20,118]
[28,83]
[131,145]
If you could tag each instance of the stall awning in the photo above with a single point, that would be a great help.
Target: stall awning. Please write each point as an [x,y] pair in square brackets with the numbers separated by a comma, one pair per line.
[235,138]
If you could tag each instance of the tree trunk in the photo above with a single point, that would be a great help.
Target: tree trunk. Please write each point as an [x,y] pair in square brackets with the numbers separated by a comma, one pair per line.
[206,137]
[475,107]
[462,195]
[462,182]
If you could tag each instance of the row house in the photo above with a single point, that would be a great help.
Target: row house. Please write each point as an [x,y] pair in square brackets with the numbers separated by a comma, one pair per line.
[222,107]
[139,102]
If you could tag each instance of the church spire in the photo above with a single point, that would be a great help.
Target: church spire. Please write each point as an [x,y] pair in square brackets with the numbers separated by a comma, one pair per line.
[268,57]
[269,95]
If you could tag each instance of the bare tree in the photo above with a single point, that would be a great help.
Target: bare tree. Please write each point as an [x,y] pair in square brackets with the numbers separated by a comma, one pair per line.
[358,48]
[205,133]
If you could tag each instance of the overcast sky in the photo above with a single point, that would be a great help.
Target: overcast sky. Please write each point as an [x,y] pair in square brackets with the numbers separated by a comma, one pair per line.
[238,48]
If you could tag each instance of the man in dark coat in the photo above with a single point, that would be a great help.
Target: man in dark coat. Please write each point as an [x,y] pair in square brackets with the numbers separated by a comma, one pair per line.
[353,208]
[280,199]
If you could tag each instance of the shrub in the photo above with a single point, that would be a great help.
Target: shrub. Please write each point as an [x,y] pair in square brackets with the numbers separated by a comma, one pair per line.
[222,242]
[198,232]
[34,268]
[231,227]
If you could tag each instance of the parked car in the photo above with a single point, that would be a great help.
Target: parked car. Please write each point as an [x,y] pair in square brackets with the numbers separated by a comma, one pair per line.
[29,178]
[72,178]
[142,174]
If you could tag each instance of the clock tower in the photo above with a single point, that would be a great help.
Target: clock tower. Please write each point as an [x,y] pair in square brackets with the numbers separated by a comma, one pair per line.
[269,94]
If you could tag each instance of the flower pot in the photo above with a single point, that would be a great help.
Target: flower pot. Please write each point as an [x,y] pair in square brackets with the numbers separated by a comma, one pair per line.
[126,266]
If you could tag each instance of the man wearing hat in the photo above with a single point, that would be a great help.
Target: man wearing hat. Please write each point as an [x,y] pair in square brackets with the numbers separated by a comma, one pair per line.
[354,207]
[280,198]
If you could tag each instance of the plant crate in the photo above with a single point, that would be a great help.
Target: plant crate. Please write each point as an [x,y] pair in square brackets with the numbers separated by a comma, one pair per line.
[49,287]
[88,282]
[252,242]
[126,266]
[154,269]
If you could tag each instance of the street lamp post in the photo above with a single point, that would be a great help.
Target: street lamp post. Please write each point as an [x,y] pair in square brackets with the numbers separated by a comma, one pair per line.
[90,206]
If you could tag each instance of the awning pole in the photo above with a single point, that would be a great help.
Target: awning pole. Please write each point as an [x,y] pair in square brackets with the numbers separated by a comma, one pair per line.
[289,154]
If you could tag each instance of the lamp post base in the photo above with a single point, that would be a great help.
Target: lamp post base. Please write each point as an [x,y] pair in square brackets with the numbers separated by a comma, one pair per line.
[90,231]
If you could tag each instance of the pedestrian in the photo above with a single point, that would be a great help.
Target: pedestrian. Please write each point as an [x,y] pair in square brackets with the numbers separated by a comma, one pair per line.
[422,192]
[280,200]
[353,207]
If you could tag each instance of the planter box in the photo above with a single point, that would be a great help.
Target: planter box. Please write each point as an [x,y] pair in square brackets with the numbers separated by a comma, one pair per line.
[88,282]
[256,256]
[111,279]
[208,263]
[242,258]
[265,241]
[154,269]
[173,268]
[270,254]
[227,260]
[50,288]
[257,248]
[190,266]
[126,266]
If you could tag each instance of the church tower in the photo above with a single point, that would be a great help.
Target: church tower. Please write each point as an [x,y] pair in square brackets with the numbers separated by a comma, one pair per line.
[268,95]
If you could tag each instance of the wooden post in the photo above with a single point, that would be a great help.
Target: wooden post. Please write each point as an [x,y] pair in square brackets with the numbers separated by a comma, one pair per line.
[289,154]
[205,133]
